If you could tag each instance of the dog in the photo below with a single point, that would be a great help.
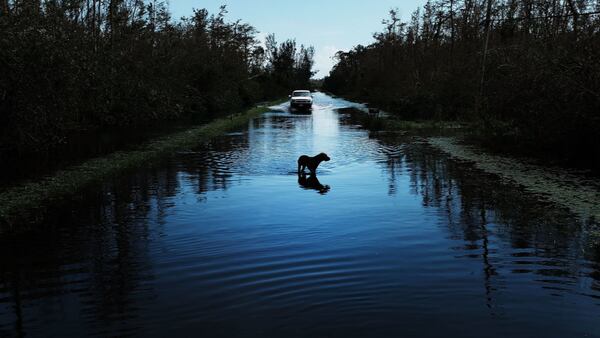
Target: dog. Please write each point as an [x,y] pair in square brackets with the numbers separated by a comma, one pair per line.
[311,163]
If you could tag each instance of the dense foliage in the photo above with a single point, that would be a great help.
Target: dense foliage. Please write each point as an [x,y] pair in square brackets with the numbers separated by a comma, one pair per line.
[527,71]
[68,65]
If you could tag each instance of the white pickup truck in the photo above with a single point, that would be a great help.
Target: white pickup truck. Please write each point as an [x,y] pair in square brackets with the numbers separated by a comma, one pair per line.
[301,99]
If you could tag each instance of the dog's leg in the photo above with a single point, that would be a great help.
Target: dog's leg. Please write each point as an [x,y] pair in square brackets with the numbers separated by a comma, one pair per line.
[313,168]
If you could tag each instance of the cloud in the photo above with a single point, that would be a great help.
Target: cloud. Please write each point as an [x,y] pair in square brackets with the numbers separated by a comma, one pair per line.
[324,60]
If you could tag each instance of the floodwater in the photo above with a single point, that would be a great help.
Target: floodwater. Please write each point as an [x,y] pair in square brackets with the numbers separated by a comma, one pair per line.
[392,239]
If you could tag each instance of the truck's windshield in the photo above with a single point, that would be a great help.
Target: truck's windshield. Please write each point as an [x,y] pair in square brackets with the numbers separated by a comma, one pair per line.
[301,93]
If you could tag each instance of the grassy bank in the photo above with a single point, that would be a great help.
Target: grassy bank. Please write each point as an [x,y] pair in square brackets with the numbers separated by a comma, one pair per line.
[491,137]
[27,202]
[568,189]
[391,123]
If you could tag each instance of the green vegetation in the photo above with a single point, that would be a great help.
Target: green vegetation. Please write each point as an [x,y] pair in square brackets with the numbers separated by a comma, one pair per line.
[525,74]
[395,124]
[386,122]
[27,201]
[72,65]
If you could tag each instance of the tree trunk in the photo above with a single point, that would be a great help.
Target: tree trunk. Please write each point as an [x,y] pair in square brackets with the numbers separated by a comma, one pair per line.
[451,31]
[575,12]
[488,24]
[4,9]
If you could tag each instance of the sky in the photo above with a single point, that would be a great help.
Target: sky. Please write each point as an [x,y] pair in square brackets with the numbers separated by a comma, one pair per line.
[328,25]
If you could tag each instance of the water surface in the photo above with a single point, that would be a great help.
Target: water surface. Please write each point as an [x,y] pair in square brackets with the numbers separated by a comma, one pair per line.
[223,241]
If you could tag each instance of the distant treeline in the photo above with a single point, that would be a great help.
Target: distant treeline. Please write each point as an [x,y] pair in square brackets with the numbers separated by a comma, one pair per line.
[527,72]
[68,65]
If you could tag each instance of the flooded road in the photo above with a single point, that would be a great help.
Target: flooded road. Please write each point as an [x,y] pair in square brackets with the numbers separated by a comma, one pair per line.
[224,240]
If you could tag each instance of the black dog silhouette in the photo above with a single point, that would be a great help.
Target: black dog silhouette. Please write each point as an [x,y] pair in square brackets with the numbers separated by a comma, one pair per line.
[312,182]
[311,162]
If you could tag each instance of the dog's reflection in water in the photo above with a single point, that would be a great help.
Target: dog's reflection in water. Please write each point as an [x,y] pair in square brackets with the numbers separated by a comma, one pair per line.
[312,182]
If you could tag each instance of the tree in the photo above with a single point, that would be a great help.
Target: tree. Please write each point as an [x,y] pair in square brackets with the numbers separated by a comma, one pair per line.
[515,69]
[72,65]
